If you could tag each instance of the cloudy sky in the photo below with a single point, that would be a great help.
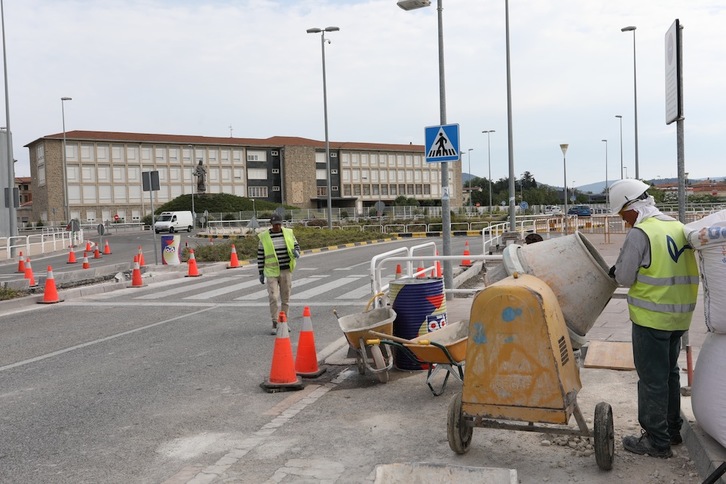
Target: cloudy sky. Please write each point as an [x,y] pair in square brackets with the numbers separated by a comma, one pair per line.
[248,67]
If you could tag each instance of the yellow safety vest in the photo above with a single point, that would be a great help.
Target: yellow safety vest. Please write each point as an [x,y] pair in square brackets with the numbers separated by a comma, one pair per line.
[272,265]
[664,293]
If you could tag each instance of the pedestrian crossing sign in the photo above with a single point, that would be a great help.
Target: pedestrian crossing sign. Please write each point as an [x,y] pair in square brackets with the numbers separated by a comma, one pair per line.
[442,143]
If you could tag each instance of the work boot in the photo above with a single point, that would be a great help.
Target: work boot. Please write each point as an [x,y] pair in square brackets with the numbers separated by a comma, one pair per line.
[676,439]
[274,327]
[642,446]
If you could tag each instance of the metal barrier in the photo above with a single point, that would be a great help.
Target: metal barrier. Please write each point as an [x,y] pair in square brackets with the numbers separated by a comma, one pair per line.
[38,244]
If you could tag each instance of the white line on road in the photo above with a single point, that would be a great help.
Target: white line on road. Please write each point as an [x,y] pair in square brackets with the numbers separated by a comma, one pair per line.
[101,340]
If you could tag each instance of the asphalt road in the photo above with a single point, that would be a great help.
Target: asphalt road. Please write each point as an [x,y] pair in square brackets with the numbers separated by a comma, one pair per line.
[142,384]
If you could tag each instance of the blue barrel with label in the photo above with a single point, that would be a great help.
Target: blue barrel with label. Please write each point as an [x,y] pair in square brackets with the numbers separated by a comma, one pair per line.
[420,306]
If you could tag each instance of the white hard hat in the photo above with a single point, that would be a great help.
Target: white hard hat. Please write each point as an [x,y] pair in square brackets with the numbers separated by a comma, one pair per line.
[624,191]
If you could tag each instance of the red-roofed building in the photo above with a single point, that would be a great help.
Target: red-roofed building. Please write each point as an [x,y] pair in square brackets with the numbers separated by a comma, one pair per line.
[104,172]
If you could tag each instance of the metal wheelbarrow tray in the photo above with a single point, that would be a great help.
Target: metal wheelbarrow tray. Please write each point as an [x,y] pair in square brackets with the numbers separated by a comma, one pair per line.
[443,349]
[359,329]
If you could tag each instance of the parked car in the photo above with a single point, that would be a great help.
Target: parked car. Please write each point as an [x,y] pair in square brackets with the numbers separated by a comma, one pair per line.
[580,211]
[552,210]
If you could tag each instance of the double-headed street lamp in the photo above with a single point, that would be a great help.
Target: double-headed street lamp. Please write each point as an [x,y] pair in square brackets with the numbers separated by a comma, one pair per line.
[65,169]
[564,147]
[621,144]
[469,155]
[445,202]
[607,191]
[325,116]
[631,28]
[489,162]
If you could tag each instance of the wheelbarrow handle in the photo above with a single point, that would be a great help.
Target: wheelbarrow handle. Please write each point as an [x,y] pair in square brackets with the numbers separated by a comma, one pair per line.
[390,337]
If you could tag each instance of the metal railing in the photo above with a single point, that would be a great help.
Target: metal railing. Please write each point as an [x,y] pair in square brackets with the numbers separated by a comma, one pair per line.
[39,244]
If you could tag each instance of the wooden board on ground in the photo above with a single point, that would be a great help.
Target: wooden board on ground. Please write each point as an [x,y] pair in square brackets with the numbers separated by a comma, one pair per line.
[610,355]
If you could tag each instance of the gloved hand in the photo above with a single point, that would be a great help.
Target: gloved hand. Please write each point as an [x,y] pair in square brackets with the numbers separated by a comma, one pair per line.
[296,253]
[262,278]
[611,273]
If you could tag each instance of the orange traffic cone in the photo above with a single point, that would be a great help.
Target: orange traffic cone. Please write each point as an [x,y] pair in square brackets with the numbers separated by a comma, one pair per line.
[71,257]
[142,262]
[50,293]
[107,249]
[306,361]
[282,372]
[88,246]
[29,274]
[466,262]
[233,260]
[399,273]
[21,264]
[192,263]
[96,253]
[438,266]
[86,265]
[136,274]
[420,270]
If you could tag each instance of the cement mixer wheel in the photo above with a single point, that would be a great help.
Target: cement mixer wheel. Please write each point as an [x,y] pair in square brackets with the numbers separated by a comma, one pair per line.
[457,431]
[604,436]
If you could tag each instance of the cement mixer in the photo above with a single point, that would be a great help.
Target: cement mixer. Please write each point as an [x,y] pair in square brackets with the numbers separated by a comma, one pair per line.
[521,370]
[572,267]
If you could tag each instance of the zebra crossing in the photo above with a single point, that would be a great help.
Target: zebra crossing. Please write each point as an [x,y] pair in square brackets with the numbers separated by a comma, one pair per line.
[244,288]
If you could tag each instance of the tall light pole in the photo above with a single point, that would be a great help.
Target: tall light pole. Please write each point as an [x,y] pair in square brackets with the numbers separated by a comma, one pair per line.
[445,202]
[621,144]
[564,147]
[65,169]
[469,156]
[489,162]
[12,212]
[607,190]
[191,177]
[631,28]
[325,116]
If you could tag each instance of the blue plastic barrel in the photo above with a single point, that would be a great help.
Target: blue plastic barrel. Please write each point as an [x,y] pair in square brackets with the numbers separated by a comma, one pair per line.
[420,306]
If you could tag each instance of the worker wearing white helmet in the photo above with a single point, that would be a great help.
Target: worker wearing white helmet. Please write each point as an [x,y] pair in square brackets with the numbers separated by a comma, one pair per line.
[661,271]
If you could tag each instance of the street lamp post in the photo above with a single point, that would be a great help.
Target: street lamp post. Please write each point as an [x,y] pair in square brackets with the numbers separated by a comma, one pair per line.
[445,201]
[607,190]
[564,147]
[469,156]
[65,170]
[621,144]
[626,171]
[489,162]
[631,28]
[325,116]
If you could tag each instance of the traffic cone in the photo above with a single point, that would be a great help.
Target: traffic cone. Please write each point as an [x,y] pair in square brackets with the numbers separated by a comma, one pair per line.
[399,273]
[282,372]
[29,274]
[142,262]
[192,263]
[233,260]
[88,246]
[306,361]
[136,274]
[107,249]
[466,262]
[50,293]
[438,266]
[86,265]
[71,257]
[21,264]
[420,269]
[96,253]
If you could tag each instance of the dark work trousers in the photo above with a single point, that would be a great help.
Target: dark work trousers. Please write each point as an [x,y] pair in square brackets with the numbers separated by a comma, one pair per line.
[655,354]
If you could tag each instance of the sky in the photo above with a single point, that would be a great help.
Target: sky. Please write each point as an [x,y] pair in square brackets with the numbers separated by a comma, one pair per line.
[247,68]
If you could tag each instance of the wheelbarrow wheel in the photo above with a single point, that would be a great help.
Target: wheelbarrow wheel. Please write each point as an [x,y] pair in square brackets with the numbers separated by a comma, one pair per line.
[379,363]
[458,433]
[359,363]
[604,436]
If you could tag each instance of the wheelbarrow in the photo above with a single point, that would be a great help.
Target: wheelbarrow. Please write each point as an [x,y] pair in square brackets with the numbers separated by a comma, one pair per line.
[361,330]
[443,349]
[521,371]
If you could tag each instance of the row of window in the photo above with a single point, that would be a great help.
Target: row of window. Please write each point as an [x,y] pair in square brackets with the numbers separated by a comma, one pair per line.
[389,190]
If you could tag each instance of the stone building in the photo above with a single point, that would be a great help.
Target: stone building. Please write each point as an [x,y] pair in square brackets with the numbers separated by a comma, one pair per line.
[104,173]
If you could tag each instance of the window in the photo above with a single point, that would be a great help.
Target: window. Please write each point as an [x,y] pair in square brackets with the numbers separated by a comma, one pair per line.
[275,171]
[274,153]
[102,152]
[320,174]
[256,174]
[322,191]
[257,192]
[333,155]
[333,171]
[334,188]
[346,191]
[275,188]
[256,155]
[117,153]
[160,154]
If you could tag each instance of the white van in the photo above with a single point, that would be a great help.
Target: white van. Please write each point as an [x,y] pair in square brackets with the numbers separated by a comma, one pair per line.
[174,222]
